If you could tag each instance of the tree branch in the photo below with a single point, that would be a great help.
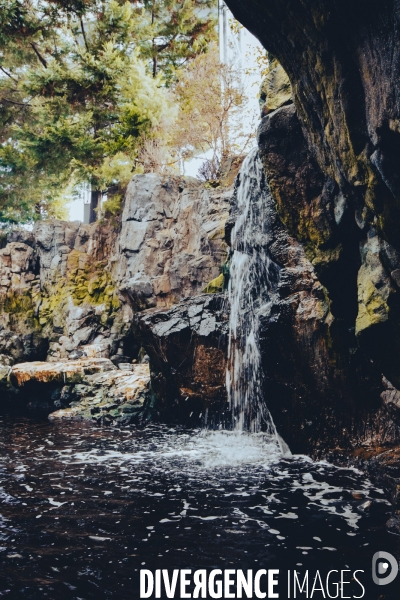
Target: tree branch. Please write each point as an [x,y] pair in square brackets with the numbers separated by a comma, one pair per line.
[16,103]
[8,74]
[40,57]
[84,34]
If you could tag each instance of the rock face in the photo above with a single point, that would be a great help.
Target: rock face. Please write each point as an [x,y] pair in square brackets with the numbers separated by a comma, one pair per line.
[337,187]
[69,290]
[171,241]
[330,327]
[106,397]
[342,61]
[71,371]
[187,348]
[57,293]
[275,90]
[319,384]
[354,264]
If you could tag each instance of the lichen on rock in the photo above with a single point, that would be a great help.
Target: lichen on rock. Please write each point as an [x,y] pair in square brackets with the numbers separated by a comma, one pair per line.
[276,90]
[66,287]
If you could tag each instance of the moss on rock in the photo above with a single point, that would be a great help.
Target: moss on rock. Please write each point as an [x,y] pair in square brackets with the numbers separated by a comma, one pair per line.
[215,286]
[85,283]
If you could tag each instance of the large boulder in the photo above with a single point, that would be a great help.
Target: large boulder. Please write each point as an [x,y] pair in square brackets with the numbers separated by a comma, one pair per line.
[106,397]
[187,347]
[91,389]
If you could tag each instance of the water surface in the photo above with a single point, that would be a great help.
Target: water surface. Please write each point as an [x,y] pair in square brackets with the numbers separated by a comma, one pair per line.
[84,508]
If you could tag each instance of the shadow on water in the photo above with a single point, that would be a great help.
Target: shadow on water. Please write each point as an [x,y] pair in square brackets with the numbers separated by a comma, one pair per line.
[84,508]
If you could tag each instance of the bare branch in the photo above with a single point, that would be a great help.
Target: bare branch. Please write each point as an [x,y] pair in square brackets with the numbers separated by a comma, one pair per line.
[8,74]
[40,57]
[24,104]
[84,34]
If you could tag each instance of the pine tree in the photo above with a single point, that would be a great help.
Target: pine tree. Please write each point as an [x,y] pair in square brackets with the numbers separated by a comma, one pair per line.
[177,31]
[76,96]
[24,30]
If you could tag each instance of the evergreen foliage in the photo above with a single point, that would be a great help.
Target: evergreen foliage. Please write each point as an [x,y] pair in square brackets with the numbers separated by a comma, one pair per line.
[82,84]
[176,32]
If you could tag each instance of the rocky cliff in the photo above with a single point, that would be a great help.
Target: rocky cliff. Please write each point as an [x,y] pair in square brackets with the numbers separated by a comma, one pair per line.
[70,294]
[331,160]
[187,347]
[69,290]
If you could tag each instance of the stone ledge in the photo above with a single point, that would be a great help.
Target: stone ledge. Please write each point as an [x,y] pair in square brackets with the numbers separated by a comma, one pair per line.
[63,371]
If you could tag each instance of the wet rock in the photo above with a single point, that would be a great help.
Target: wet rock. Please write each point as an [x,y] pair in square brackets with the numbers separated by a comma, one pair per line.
[66,371]
[187,350]
[306,200]
[391,398]
[107,397]
[86,389]
[374,287]
[312,363]
[333,172]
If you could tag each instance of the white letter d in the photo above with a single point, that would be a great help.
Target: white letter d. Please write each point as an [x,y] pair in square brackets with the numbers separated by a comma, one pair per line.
[146,577]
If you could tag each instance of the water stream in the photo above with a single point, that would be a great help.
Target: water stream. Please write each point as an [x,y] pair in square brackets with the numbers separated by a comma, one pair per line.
[251,276]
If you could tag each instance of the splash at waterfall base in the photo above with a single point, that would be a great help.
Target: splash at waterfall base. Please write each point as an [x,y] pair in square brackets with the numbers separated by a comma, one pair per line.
[86,508]
[277,352]
[293,366]
[182,464]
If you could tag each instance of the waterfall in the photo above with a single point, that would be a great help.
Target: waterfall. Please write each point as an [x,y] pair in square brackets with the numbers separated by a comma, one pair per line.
[252,277]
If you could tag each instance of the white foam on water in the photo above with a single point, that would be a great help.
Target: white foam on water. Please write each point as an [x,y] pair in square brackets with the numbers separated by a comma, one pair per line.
[203,449]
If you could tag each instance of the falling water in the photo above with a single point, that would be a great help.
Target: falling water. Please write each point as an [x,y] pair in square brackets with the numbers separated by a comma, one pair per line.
[252,274]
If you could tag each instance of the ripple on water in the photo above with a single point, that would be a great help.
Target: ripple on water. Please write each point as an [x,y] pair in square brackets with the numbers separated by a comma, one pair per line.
[84,508]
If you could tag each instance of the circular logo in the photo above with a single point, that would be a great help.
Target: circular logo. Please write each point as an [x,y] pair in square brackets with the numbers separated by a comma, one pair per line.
[384,568]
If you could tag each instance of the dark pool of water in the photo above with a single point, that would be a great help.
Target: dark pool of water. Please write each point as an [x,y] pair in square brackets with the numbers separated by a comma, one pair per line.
[84,508]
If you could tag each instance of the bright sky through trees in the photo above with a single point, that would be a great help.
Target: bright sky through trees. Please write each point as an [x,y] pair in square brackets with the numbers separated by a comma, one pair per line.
[240,49]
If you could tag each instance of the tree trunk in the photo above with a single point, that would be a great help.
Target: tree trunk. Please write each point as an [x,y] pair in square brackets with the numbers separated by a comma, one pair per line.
[94,204]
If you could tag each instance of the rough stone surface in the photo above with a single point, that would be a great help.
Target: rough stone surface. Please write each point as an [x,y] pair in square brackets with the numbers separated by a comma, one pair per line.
[171,243]
[341,57]
[5,385]
[67,371]
[70,290]
[275,90]
[106,397]
[86,389]
[312,209]
[187,349]
[332,158]
[319,383]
